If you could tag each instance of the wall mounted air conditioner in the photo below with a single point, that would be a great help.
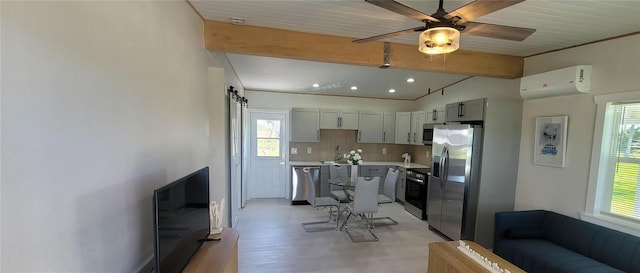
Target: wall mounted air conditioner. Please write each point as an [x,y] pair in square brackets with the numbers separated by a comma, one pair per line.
[566,81]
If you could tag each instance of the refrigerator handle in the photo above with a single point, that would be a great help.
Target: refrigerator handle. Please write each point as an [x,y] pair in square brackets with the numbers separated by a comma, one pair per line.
[441,171]
[445,167]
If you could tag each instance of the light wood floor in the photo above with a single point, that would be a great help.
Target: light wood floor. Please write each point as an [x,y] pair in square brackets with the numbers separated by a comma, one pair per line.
[272,240]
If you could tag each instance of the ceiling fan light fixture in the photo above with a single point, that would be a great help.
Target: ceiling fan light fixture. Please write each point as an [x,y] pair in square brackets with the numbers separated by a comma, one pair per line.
[439,40]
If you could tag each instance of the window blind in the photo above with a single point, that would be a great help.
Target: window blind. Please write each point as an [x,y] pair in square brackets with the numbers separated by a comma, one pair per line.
[622,196]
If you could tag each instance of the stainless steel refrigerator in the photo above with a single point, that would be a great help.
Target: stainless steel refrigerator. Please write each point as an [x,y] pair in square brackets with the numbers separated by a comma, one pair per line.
[454,181]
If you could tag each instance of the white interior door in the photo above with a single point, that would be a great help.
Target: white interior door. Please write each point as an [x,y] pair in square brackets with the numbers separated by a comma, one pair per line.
[268,155]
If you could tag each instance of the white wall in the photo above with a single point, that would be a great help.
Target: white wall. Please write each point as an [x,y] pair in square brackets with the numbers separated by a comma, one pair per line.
[498,175]
[218,151]
[101,103]
[221,76]
[616,66]
[220,60]
[473,88]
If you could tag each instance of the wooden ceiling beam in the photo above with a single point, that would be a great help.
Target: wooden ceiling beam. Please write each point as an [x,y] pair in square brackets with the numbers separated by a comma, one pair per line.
[271,42]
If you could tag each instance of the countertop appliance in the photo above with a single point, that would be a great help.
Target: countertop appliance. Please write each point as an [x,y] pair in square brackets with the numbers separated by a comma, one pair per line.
[427,134]
[299,186]
[454,180]
[416,192]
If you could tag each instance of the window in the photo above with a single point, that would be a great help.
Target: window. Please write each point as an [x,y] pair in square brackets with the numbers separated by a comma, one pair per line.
[614,183]
[622,134]
[268,138]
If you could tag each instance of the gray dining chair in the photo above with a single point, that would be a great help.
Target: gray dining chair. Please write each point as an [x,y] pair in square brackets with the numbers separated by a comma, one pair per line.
[389,194]
[365,203]
[319,203]
[339,172]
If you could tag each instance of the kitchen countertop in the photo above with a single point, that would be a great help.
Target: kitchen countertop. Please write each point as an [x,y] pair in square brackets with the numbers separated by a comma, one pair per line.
[366,163]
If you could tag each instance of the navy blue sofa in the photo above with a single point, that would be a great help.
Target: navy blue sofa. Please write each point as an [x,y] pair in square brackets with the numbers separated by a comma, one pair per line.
[540,241]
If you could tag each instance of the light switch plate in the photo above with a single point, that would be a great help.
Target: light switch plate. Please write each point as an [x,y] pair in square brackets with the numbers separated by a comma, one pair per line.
[384,151]
[294,151]
[308,150]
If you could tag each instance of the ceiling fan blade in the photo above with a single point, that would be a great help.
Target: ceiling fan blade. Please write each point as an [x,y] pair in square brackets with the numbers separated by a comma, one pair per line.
[402,9]
[479,8]
[497,31]
[390,34]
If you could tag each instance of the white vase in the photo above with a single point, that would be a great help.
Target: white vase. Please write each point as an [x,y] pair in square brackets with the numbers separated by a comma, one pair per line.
[354,172]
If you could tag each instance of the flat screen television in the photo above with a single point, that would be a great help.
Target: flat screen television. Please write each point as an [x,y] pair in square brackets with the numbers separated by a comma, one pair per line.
[181,220]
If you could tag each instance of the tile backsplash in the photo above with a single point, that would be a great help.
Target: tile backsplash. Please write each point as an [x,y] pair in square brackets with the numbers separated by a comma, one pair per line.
[327,149]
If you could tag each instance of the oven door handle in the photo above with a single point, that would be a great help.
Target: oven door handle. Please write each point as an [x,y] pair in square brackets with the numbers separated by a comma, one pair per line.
[419,181]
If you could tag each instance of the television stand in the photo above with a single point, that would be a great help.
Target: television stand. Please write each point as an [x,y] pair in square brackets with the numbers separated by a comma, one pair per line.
[216,256]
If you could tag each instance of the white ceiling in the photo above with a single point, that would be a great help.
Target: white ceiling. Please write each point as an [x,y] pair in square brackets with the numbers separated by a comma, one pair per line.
[559,24]
[284,75]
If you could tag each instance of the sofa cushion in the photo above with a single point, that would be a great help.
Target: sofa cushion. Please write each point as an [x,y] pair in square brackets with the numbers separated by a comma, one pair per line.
[541,256]
[525,233]
[609,246]
[569,232]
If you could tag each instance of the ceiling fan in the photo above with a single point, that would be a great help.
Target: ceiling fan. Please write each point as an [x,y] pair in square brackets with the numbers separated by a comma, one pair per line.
[441,32]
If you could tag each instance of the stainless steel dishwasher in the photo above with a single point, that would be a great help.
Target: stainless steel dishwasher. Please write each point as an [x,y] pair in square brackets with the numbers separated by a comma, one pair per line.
[299,186]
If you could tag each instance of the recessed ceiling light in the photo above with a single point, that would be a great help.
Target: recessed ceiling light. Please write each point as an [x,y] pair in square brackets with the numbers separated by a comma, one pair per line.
[316,85]
[392,90]
[354,88]
[411,80]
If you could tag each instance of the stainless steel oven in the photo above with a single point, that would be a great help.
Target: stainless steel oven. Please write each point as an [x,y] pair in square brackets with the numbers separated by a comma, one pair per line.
[416,192]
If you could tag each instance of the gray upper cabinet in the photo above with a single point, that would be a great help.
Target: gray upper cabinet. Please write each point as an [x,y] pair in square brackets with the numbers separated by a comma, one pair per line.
[338,119]
[376,127]
[418,118]
[305,125]
[409,127]
[436,115]
[471,110]
[403,128]
[389,127]
[329,119]
[371,127]
[349,120]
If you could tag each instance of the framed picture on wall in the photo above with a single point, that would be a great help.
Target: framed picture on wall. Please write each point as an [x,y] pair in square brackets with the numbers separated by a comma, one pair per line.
[550,141]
